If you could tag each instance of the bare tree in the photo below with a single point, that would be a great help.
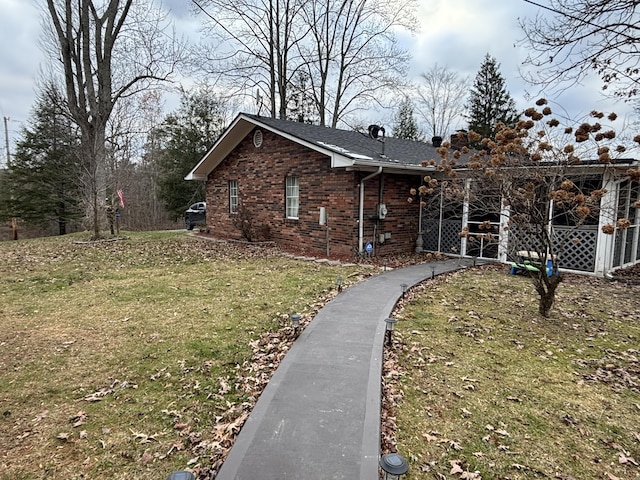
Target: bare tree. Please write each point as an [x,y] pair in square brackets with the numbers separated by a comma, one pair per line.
[441,94]
[107,51]
[348,50]
[255,46]
[538,187]
[582,37]
[352,55]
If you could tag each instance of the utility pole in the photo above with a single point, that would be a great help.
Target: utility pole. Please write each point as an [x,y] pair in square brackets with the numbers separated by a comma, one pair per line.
[6,138]
[14,220]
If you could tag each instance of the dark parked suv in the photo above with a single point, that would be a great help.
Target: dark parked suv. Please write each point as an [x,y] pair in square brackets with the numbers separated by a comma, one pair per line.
[195,215]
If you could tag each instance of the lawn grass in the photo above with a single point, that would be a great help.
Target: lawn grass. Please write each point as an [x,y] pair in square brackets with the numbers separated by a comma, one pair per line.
[484,387]
[129,359]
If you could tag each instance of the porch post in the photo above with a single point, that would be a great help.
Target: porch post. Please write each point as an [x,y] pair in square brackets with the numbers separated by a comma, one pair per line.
[605,243]
[419,239]
[503,234]
[440,221]
[465,216]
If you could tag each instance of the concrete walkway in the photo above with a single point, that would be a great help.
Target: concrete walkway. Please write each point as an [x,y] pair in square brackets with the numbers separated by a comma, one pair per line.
[319,416]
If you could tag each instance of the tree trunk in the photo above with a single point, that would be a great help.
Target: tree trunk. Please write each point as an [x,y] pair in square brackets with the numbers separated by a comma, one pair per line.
[62,222]
[546,302]
[93,140]
[96,222]
[546,287]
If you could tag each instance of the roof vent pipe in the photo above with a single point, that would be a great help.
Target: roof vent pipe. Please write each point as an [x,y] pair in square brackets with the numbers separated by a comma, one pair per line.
[436,141]
[374,131]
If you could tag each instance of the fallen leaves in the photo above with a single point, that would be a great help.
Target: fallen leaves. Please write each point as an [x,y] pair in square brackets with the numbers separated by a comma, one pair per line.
[502,392]
[462,473]
[143,437]
[619,369]
[251,379]
[94,346]
[116,385]
[79,419]
[623,459]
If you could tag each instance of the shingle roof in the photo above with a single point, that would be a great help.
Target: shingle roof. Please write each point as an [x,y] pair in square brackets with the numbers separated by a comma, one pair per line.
[347,148]
[355,144]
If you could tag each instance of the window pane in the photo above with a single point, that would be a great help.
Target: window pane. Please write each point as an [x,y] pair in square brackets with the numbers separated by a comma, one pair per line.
[233,196]
[292,197]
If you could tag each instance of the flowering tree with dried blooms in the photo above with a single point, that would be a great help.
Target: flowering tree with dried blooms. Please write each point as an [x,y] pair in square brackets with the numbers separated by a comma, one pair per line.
[537,195]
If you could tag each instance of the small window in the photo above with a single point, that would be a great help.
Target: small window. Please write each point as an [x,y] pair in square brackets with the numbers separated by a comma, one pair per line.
[233,196]
[292,197]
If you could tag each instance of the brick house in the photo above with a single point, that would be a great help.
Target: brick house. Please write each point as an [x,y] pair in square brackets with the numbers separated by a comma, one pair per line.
[336,193]
[313,189]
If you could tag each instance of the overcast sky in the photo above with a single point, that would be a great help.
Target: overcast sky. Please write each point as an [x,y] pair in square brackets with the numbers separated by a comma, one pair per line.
[454,33]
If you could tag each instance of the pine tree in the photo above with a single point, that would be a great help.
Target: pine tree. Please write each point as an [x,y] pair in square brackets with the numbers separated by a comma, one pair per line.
[300,107]
[489,101]
[41,184]
[186,135]
[405,125]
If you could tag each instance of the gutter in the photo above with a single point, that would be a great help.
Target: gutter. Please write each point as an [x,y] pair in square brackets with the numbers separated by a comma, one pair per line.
[361,212]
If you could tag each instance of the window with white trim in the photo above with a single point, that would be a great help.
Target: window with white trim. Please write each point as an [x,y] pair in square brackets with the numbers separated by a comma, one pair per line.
[233,196]
[292,197]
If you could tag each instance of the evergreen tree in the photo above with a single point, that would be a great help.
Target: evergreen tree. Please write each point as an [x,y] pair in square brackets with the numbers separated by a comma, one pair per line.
[301,107]
[405,125]
[41,184]
[185,136]
[489,101]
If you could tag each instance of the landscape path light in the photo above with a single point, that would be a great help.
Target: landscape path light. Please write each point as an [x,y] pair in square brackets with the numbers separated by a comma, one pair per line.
[389,327]
[393,466]
[295,323]
[404,288]
[181,475]
[433,271]
[339,283]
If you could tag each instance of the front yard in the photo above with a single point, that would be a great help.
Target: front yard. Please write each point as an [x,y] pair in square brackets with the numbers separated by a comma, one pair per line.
[135,358]
[481,386]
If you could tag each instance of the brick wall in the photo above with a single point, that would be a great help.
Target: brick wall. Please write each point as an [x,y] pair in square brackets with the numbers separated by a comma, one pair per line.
[261,173]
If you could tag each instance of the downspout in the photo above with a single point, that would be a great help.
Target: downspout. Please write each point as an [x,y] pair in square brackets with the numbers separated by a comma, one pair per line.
[361,212]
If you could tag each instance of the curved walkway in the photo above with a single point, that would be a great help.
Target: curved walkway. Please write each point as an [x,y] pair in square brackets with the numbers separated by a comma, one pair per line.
[319,416]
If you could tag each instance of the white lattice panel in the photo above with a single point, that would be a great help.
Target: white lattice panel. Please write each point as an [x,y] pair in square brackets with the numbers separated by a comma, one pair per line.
[577,248]
[451,236]
[450,242]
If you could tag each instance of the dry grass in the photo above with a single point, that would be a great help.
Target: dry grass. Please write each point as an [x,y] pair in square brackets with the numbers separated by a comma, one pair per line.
[126,359]
[486,388]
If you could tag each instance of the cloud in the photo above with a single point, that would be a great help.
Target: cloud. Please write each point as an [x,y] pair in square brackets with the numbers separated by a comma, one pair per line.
[453,33]
[19,57]
[20,33]
[458,34]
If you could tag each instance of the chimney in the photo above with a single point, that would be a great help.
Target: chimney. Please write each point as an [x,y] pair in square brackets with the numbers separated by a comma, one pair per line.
[459,139]
[436,141]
